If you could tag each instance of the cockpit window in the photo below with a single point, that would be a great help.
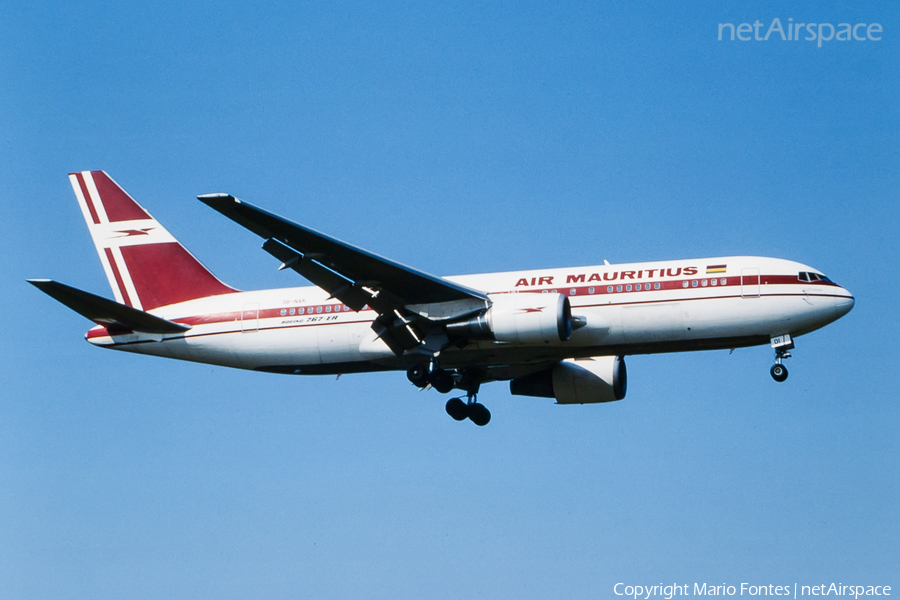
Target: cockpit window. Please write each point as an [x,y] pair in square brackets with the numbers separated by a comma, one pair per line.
[812,277]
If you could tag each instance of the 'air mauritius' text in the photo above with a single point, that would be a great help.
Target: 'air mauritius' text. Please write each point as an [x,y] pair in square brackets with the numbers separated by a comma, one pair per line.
[609,276]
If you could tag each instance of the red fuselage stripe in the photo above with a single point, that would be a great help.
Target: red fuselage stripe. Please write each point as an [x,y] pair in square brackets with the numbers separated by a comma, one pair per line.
[319,310]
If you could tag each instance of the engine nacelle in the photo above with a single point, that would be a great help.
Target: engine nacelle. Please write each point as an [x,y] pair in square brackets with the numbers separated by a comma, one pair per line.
[583,381]
[524,318]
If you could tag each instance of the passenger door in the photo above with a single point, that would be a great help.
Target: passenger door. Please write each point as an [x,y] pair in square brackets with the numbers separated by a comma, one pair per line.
[750,282]
[250,317]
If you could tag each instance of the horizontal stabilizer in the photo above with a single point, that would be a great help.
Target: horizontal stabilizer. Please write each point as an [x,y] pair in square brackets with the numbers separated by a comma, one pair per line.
[108,313]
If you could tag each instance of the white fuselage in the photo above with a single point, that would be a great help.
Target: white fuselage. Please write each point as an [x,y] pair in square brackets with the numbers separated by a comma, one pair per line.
[636,308]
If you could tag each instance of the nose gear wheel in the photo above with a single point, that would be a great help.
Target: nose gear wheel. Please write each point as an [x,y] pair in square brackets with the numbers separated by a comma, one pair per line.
[783,344]
[779,372]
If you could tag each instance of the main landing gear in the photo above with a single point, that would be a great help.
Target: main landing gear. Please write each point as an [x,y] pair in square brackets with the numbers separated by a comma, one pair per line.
[421,377]
[468,380]
[477,413]
[783,345]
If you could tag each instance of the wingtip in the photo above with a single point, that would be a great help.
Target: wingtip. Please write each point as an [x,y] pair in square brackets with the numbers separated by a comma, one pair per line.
[220,197]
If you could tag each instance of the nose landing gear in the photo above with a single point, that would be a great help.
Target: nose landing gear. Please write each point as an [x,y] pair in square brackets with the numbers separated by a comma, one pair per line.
[779,372]
[783,345]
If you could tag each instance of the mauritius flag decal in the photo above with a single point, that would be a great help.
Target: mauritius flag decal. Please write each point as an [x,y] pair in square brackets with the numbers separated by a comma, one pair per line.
[710,269]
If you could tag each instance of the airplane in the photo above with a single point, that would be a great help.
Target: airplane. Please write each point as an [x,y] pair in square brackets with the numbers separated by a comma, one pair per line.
[555,333]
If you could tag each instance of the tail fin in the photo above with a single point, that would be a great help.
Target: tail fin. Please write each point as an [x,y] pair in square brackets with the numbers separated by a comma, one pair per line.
[146,266]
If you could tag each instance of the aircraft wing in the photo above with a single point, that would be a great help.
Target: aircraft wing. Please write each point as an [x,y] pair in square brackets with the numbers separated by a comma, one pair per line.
[108,313]
[355,276]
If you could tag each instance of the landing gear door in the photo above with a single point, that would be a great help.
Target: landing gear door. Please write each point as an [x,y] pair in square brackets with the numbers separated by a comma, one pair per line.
[750,282]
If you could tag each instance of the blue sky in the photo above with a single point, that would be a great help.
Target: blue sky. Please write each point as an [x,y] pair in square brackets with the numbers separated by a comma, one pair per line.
[456,138]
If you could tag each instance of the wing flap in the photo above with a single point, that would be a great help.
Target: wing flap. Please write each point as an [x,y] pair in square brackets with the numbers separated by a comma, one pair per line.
[337,285]
[106,312]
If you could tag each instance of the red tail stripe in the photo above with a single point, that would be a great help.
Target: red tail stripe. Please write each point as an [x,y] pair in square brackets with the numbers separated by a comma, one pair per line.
[87,198]
[119,281]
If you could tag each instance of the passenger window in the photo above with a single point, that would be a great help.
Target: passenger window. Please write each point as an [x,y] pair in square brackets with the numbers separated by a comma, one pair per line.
[723,281]
[328,308]
[714,282]
[609,290]
[637,288]
[655,286]
[694,283]
[618,288]
[572,292]
[590,290]
[685,284]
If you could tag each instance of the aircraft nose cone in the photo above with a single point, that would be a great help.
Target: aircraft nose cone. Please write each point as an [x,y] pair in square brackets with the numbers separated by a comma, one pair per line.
[843,305]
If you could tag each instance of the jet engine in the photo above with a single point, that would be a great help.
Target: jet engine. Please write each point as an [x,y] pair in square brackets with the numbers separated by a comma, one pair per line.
[524,318]
[581,381]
